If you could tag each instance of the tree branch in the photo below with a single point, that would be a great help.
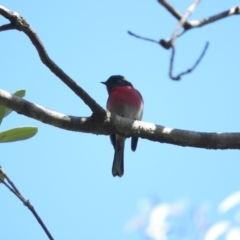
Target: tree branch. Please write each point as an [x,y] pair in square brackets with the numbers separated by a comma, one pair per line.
[108,123]
[11,186]
[174,35]
[103,122]
[19,23]
[187,25]
[199,23]
[183,19]
[178,77]
[143,38]
[171,9]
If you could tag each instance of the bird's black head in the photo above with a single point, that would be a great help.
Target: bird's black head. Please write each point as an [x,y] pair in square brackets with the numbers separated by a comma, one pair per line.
[115,81]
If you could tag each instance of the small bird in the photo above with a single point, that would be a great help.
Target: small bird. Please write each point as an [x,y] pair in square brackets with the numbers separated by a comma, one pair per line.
[126,101]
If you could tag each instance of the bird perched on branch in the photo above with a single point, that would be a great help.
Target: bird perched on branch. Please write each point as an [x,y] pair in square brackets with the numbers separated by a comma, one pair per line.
[126,101]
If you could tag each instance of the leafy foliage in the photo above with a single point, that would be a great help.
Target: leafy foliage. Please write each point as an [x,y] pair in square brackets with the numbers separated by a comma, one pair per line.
[18,133]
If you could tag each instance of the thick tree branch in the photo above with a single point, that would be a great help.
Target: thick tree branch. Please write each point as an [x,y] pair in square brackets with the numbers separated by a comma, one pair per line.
[19,23]
[108,123]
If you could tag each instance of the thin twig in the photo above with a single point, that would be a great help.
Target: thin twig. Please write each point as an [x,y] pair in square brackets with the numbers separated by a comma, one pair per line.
[21,24]
[11,183]
[171,64]
[178,77]
[143,38]
[12,187]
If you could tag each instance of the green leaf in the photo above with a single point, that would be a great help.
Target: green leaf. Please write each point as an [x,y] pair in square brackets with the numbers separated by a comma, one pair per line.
[2,110]
[17,134]
[20,93]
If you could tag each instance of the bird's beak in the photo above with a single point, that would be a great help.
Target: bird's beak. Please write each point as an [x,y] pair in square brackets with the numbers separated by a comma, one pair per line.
[103,83]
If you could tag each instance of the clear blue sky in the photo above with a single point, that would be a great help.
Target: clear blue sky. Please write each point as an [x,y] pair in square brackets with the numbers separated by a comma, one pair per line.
[67,175]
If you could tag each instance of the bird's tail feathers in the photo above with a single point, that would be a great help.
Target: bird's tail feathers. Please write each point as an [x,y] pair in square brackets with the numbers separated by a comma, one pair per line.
[118,162]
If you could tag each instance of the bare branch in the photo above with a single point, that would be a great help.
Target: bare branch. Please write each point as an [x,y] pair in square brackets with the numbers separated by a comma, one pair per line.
[175,34]
[20,24]
[199,23]
[11,186]
[187,25]
[182,22]
[184,19]
[178,77]
[171,9]
[143,38]
[170,43]
[109,123]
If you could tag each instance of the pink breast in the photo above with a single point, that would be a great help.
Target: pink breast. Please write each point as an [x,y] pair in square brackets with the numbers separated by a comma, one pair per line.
[126,101]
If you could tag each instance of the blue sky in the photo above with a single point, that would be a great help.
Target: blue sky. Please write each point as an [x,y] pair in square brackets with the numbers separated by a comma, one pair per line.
[67,175]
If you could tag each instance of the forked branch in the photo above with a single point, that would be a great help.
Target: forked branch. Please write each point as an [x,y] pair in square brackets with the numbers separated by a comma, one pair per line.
[186,25]
[17,22]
